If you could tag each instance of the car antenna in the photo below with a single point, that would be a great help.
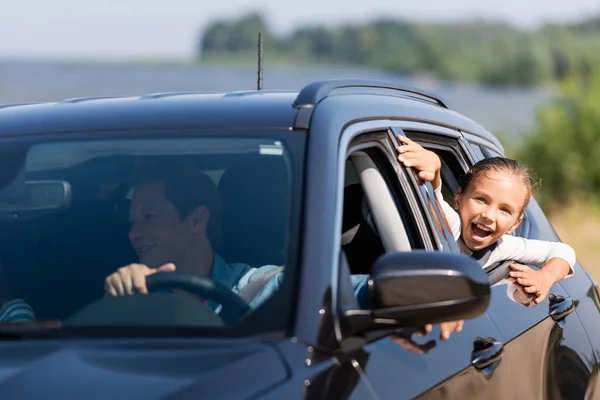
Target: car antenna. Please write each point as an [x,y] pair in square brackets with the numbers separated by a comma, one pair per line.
[260,53]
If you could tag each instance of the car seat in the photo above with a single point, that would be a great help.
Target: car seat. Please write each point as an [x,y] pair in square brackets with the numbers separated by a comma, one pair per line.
[256,211]
[360,242]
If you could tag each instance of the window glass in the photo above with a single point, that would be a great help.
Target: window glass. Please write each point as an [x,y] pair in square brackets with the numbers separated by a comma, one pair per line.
[362,242]
[74,211]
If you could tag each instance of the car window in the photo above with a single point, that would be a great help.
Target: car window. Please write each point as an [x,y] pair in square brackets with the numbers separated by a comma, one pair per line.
[387,189]
[431,209]
[361,241]
[372,181]
[73,210]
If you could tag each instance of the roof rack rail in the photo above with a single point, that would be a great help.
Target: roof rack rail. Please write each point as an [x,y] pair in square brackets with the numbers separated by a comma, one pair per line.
[88,98]
[314,92]
[161,95]
[16,104]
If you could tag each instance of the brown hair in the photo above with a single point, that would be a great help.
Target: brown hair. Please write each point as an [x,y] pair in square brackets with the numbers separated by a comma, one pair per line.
[505,165]
[187,188]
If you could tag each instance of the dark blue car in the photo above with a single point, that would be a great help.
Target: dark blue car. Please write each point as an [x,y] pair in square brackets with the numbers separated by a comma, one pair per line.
[307,184]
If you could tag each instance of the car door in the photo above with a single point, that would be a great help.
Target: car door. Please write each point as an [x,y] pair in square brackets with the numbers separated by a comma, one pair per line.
[546,353]
[401,364]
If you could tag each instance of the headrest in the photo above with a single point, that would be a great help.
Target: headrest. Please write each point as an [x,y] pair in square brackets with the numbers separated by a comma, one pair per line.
[256,204]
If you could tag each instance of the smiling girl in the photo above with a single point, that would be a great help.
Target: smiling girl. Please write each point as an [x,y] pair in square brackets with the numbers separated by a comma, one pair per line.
[488,206]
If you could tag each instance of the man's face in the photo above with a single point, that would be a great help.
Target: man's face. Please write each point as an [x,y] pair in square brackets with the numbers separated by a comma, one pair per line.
[157,233]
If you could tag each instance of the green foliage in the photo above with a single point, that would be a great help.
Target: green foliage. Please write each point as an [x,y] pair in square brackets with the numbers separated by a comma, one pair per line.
[477,50]
[565,148]
[236,36]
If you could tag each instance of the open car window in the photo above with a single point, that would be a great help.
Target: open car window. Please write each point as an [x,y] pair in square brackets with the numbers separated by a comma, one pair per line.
[73,211]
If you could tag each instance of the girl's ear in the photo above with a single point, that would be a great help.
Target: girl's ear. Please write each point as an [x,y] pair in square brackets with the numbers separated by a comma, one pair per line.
[457,198]
[516,224]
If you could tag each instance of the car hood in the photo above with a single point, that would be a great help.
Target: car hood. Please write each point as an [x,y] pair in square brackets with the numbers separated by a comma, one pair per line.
[140,369]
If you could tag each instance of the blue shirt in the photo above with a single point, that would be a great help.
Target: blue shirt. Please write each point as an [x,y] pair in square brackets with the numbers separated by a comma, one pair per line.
[237,276]
[16,310]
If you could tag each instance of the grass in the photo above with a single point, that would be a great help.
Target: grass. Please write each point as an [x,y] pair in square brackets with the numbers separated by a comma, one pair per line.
[579,225]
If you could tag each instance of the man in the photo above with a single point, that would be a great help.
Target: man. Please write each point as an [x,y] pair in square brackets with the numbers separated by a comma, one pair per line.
[175,219]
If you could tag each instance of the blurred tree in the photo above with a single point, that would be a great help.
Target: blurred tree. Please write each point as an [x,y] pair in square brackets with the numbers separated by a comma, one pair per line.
[477,50]
[565,148]
[235,36]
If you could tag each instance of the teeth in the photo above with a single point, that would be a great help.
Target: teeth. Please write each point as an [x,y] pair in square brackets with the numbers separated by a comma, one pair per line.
[483,227]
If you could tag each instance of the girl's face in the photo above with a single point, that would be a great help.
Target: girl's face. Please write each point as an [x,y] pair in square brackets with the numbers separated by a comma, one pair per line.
[490,207]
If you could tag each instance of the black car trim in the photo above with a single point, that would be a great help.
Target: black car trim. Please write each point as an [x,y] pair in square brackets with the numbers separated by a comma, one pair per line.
[314,92]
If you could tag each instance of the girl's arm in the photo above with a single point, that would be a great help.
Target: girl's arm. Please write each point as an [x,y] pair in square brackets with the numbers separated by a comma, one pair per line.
[555,257]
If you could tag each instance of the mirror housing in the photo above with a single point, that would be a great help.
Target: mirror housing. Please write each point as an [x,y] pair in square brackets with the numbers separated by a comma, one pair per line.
[426,287]
[412,289]
[42,195]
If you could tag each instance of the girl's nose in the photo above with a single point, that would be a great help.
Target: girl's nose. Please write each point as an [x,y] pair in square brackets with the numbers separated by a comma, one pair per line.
[488,215]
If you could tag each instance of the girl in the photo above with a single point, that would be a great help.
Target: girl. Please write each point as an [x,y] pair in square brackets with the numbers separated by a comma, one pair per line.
[489,205]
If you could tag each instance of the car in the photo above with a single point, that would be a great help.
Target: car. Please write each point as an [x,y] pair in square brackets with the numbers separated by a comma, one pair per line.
[308,180]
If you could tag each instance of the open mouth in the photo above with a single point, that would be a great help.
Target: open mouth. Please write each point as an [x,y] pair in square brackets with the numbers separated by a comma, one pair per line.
[480,232]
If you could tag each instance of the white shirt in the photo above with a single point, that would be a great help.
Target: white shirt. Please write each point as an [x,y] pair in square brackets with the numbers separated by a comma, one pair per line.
[525,251]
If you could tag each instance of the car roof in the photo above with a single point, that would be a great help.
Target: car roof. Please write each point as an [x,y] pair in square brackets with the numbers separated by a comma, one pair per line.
[245,110]
[260,109]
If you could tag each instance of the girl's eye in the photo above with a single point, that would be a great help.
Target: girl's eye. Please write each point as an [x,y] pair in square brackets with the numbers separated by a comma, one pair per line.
[506,210]
[480,199]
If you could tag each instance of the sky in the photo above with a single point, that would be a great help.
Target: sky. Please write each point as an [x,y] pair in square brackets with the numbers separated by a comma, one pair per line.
[151,29]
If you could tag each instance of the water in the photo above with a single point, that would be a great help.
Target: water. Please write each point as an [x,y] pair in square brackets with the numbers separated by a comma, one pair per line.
[508,111]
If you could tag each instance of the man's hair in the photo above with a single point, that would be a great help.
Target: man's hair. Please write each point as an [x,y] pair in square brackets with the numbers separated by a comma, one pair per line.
[187,187]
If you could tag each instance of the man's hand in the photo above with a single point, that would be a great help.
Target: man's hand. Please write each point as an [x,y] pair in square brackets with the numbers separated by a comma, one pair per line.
[539,282]
[131,279]
[426,162]
[446,328]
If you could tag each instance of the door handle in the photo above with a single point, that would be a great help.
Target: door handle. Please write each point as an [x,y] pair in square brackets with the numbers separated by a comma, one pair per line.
[560,307]
[486,355]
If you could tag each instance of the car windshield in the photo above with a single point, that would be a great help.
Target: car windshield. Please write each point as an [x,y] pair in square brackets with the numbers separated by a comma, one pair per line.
[82,216]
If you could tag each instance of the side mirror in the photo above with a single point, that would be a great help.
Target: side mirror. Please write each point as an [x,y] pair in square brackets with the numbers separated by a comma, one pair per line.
[416,288]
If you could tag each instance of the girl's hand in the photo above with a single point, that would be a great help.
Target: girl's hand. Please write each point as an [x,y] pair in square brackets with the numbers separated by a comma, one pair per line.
[520,295]
[426,162]
[537,283]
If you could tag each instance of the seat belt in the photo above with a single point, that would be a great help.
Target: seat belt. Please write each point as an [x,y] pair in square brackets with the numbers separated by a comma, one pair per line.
[252,289]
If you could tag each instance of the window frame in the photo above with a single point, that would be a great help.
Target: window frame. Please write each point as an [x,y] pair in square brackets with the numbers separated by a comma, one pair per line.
[376,144]
[429,207]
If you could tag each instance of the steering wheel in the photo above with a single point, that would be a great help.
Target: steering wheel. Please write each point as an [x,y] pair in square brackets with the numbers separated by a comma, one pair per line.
[233,307]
